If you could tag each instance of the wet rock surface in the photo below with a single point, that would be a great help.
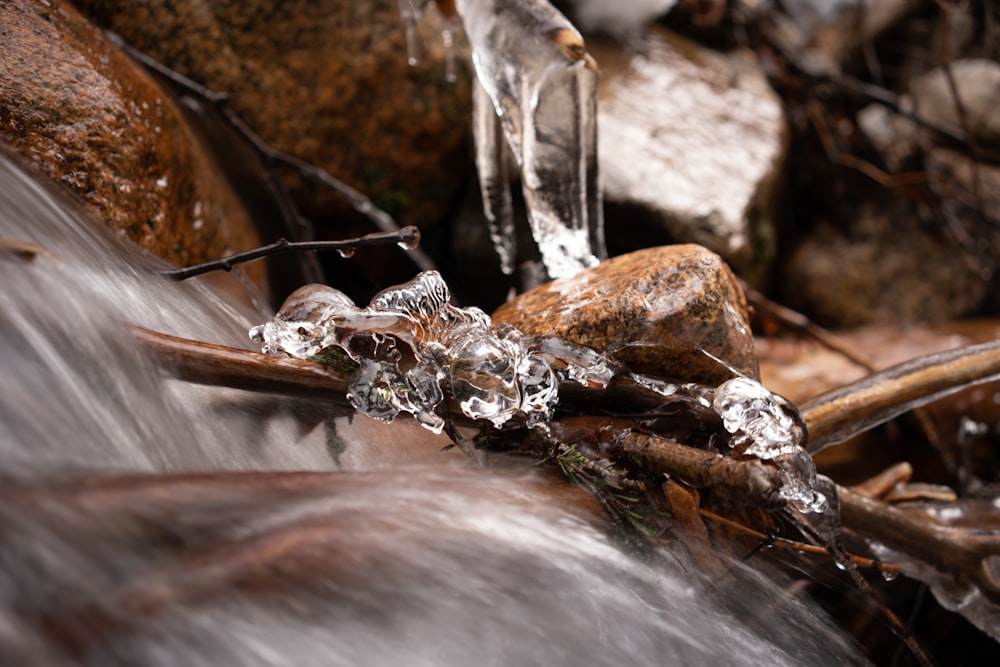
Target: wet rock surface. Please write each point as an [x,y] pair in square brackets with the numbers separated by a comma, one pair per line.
[651,310]
[326,82]
[691,146]
[94,121]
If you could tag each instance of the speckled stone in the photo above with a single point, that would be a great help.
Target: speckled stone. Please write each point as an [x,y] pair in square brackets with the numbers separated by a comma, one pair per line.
[650,310]
[94,121]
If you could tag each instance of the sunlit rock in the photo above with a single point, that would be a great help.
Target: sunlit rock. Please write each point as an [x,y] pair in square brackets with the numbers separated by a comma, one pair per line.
[651,310]
[98,124]
[691,143]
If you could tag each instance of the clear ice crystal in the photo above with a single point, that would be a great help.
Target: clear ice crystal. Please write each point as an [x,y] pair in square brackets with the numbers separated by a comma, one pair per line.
[539,92]
[761,427]
[410,341]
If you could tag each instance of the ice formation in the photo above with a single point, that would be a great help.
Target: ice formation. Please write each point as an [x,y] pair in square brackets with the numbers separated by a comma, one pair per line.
[537,95]
[411,341]
[761,427]
[541,87]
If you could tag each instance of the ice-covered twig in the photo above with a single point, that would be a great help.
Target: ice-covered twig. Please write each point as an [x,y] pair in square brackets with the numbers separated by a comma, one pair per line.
[415,350]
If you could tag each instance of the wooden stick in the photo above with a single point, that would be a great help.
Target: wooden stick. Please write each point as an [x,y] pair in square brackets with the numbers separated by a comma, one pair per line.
[842,413]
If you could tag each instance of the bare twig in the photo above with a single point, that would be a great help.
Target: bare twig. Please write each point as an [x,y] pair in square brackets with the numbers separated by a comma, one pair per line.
[799,323]
[785,543]
[205,363]
[406,236]
[859,406]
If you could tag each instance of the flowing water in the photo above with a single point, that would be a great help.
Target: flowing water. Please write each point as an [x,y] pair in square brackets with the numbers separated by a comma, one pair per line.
[141,521]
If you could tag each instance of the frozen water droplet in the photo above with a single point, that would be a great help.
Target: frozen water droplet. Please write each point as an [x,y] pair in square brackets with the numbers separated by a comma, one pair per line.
[410,242]
[346,253]
[889,575]
[762,426]
[665,389]
[484,378]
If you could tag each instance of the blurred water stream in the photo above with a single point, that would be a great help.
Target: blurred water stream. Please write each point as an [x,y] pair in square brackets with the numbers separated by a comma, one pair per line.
[133,529]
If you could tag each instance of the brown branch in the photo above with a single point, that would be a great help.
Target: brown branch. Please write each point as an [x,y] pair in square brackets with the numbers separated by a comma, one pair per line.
[205,363]
[748,481]
[785,543]
[859,406]
[962,553]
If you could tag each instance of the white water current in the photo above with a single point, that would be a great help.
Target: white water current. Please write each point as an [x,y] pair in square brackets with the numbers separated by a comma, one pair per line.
[173,553]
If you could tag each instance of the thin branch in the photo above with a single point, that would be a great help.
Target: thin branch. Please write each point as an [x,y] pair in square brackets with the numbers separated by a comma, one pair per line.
[205,363]
[785,543]
[407,236]
[799,323]
[961,552]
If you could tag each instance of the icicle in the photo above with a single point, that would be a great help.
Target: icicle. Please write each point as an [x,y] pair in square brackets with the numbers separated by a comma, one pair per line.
[533,65]
[451,25]
[494,181]
[410,11]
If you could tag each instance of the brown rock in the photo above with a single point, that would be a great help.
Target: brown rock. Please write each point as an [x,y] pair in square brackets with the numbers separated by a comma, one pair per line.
[94,121]
[327,82]
[651,310]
